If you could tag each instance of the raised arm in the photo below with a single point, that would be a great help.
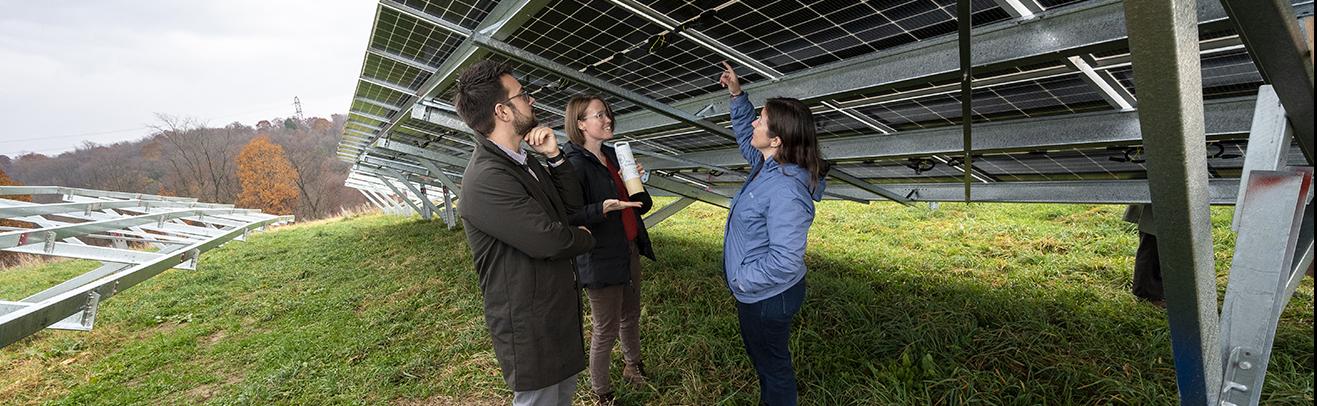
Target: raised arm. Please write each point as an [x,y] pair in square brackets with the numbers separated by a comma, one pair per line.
[743,115]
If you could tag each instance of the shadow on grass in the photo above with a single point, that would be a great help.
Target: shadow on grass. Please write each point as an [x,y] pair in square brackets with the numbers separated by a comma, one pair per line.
[890,336]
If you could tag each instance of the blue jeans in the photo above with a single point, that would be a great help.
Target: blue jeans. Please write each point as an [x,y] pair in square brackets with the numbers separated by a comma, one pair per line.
[765,330]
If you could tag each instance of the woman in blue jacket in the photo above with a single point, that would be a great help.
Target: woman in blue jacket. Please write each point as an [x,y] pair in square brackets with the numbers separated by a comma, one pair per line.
[764,242]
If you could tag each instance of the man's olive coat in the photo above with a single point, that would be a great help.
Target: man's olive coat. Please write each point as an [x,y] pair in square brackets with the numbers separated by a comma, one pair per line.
[523,248]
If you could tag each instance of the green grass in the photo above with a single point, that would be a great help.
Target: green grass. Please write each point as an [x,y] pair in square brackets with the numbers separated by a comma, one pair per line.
[984,304]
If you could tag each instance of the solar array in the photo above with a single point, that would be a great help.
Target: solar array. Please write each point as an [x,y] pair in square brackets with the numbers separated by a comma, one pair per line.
[668,52]
[1055,113]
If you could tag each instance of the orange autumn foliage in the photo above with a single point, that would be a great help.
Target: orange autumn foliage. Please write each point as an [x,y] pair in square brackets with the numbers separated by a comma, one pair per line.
[5,180]
[9,258]
[268,180]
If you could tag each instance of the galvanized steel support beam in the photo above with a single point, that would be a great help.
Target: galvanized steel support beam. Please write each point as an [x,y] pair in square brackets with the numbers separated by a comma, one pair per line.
[377,103]
[391,206]
[427,207]
[1164,51]
[60,190]
[1020,8]
[1106,84]
[450,212]
[664,212]
[1228,118]
[1268,143]
[686,190]
[1262,267]
[1271,34]
[387,85]
[1220,192]
[401,59]
[370,199]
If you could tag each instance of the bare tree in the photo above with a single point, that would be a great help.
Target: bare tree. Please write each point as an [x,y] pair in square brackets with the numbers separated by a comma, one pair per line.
[201,159]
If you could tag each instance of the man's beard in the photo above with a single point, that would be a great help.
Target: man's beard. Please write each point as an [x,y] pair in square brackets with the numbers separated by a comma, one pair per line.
[523,124]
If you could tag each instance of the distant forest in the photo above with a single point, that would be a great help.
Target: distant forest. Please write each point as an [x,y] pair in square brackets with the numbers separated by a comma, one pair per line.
[284,166]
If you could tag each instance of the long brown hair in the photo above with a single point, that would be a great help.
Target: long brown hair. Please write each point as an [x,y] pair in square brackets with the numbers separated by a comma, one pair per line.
[791,121]
[576,112]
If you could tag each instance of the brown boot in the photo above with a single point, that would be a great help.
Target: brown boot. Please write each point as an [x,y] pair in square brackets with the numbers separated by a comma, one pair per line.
[635,373]
[604,399]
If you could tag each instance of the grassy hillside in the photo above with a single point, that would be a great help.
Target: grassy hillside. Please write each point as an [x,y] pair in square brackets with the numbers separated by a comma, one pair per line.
[993,304]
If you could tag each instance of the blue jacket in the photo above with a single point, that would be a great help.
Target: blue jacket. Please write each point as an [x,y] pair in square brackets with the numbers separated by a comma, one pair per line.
[764,241]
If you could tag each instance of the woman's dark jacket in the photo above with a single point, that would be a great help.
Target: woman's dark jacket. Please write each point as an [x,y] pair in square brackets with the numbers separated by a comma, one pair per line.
[609,263]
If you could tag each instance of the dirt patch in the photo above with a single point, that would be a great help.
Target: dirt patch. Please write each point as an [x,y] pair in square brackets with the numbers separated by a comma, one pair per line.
[214,337]
[205,392]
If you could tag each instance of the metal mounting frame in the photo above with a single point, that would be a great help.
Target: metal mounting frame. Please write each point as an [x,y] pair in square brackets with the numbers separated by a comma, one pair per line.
[180,228]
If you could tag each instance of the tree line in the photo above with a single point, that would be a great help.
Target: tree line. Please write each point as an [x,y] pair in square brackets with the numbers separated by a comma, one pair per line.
[281,166]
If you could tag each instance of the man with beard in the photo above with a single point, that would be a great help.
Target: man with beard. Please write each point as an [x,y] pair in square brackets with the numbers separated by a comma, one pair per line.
[514,211]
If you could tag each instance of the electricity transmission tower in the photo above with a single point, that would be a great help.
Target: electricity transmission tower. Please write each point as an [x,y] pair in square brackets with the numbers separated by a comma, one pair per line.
[297,103]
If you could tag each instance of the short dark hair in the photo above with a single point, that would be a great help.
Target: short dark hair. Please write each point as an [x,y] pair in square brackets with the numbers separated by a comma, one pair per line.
[479,88]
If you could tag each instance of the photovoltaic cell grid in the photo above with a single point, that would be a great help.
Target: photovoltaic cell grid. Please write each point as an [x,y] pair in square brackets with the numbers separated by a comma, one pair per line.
[368,108]
[791,35]
[467,13]
[613,44]
[1225,74]
[690,140]
[379,93]
[550,91]
[1056,95]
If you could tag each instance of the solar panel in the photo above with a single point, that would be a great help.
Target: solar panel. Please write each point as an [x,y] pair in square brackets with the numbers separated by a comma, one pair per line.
[467,13]
[792,35]
[613,44]
[668,51]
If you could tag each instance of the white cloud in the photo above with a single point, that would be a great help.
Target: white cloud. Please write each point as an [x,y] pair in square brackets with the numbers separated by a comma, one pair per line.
[78,67]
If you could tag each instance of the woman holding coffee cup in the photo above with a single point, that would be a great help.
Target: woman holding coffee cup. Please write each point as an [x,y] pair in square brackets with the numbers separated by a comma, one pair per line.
[610,273]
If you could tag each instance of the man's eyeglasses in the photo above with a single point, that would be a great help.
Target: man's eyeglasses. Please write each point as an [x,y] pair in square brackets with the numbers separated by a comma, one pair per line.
[524,95]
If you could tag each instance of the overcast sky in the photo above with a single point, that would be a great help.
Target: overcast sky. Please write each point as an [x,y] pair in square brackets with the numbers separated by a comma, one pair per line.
[98,70]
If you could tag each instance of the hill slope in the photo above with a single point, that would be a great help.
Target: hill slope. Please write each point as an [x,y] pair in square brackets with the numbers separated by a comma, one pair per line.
[1018,304]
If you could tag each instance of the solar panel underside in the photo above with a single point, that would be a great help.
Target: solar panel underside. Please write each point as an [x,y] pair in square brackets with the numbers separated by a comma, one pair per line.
[614,43]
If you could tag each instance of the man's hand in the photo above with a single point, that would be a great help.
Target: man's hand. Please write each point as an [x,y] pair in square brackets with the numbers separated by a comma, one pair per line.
[612,205]
[542,140]
[729,80]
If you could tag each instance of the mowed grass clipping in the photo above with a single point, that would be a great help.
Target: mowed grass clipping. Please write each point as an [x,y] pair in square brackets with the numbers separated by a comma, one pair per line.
[968,304]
